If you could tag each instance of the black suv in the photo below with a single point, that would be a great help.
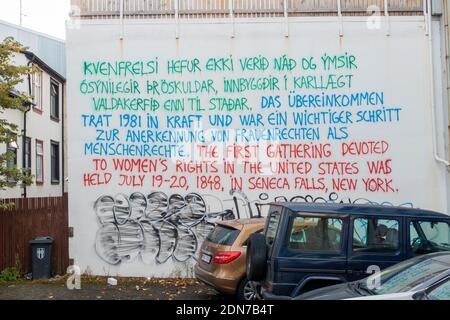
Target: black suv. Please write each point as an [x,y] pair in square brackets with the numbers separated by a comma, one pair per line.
[309,246]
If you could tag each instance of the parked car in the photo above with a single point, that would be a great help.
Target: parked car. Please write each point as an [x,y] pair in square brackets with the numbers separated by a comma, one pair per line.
[222,260]
[421,278]
[310,246]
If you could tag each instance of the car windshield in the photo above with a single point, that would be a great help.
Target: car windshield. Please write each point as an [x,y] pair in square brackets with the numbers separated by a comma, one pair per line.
[442,292]
[403,276]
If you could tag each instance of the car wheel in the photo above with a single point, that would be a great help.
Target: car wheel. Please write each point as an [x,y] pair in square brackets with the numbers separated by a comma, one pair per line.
[247,291]
[256,257]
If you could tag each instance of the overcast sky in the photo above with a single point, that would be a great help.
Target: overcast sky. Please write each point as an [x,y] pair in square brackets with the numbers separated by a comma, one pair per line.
[46,16]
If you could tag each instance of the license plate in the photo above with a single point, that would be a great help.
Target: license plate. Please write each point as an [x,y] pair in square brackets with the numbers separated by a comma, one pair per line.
[206,258]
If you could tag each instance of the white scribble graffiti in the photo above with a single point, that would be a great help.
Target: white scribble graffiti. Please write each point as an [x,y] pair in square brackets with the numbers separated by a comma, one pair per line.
[158,227]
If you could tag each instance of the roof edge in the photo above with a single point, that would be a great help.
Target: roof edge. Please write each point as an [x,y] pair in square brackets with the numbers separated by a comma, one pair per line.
[13,25]
[35,59]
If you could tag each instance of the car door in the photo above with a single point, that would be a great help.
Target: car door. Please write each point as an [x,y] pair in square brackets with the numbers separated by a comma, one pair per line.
[375,243]
[313,248]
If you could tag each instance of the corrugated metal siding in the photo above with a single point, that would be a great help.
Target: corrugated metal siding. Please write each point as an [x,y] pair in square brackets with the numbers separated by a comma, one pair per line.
[48,49]
[135,9]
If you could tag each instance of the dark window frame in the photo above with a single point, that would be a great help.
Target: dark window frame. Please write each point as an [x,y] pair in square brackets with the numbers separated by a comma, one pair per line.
[26,161]
[54,100]
[9,165]
[40,155]
[13,150]
[57,162]
[38,107]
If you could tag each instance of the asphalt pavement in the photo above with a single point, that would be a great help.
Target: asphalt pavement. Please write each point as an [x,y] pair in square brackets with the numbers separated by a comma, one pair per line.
[98,289]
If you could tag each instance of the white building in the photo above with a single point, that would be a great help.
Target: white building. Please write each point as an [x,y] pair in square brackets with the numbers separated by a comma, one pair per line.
[40,144]
[123,169]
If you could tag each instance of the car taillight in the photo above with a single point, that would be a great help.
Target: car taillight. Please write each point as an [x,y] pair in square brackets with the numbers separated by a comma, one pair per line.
[225,257]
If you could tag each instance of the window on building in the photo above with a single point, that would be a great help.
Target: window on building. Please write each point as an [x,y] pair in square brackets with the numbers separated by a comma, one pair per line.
[55,161]
[37,89]
[12,149]
[375,235]
[39,162]
[12,160]
[54,100]
[27,158]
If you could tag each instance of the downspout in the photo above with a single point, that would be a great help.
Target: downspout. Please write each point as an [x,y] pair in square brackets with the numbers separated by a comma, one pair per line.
[24,138]
[24,141]
[433,86]
[121,20]
[63,158]
[447,61]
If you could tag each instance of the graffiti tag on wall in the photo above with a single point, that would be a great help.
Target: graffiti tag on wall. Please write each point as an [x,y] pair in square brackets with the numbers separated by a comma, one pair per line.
[157,227]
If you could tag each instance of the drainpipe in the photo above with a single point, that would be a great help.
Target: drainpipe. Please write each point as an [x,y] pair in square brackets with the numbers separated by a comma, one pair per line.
[63,157]
[433,98]
[24,138]
[121,19]
[447,60]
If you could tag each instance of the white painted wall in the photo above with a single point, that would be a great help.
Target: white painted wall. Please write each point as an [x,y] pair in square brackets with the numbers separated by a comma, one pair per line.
[41,127]
[397,65]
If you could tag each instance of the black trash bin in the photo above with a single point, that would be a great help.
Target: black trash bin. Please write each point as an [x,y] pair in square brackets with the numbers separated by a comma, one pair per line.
[41,257]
